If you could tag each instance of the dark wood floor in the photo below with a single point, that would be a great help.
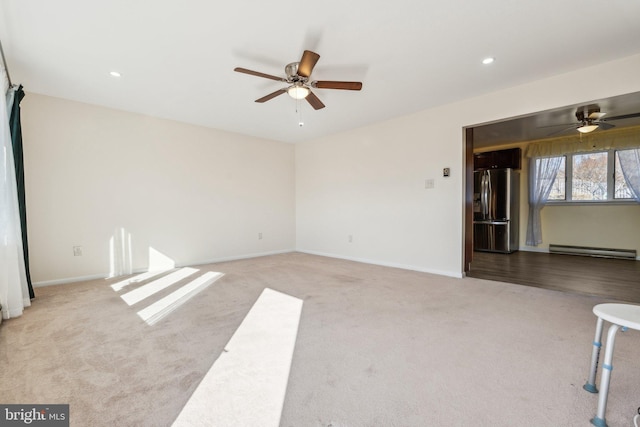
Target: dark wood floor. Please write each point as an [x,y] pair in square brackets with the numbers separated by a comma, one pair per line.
[604,277]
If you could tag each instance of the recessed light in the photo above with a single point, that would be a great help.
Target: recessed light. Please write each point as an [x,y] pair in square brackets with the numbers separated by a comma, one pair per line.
[115,74]
[487,61]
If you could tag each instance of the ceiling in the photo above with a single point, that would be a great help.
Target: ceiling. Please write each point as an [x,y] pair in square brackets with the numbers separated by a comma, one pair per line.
[557,122]
[177,58]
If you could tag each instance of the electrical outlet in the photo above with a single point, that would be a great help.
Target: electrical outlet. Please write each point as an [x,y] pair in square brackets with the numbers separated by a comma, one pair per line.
[350,238]
[259,236]
[429,183]
[77,251]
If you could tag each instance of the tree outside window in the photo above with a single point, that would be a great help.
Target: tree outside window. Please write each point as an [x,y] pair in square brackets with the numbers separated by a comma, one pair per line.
[558,189]
[622,190]
[589,177]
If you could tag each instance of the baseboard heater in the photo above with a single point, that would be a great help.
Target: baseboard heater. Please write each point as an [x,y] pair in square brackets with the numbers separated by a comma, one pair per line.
[596,252]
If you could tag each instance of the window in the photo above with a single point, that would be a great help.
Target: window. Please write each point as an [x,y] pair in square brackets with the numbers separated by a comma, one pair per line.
[622,190]
[590,177]
[558,188]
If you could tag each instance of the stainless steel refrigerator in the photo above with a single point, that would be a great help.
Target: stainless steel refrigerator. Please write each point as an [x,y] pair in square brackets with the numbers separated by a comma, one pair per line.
[496,210]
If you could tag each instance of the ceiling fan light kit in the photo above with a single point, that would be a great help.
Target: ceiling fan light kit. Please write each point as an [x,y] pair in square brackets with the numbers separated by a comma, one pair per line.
[300,84]
[298,91]
[587,128]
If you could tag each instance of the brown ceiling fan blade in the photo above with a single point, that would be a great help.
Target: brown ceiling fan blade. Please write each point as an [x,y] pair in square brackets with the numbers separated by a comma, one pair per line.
[596,115]
[314,101]
[605,126]
[558,124]
[307,63]
[271,95]
[574,127]
[624,116]
[338,85]
[259,74]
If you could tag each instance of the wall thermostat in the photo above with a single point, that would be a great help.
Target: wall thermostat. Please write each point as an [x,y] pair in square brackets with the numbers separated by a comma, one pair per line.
[445,172]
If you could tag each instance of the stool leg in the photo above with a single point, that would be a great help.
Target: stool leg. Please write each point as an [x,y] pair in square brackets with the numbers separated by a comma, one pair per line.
[607,367]
[590,386]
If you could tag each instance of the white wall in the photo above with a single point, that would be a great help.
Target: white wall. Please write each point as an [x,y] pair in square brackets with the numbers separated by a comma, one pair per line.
[191,193]
[370,182]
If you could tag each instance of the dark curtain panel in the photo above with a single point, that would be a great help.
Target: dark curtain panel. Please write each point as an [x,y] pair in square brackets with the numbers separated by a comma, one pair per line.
[16,139]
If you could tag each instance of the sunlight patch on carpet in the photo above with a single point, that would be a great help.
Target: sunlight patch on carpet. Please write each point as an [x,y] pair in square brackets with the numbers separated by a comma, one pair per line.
[136,279]
[161,308]
[151,288]
[246,386]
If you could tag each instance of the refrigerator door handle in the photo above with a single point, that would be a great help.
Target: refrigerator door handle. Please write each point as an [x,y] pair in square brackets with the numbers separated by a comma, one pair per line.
[490,208]
[482,194]
[492,222]
[483,187]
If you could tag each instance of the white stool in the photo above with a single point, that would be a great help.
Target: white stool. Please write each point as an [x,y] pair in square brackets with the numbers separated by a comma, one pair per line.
[619,315]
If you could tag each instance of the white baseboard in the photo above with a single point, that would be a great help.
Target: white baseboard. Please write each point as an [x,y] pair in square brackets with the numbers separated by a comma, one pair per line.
[457,275]
[260,254]
[139,270]
[68,280]
[238,257]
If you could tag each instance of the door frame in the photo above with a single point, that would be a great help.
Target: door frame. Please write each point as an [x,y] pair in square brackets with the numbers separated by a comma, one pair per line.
[468,199]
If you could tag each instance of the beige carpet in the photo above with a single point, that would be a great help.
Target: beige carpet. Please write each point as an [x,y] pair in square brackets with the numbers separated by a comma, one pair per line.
[375,346]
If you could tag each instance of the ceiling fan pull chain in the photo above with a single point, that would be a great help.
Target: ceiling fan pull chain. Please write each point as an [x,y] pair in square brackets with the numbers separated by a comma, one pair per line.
[299,108]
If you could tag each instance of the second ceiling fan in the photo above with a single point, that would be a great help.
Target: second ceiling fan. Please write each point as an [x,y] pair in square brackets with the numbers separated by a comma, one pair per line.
[589,118]
[299,81]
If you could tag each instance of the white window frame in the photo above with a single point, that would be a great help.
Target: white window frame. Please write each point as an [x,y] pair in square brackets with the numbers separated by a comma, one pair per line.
[611,182]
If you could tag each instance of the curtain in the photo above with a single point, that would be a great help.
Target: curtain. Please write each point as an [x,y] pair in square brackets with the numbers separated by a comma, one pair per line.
[14,290]
[543,172]
[18,159]
[630,165]
[613,139]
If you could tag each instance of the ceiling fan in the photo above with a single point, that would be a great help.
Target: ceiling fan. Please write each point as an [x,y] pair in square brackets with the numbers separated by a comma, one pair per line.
[300,84]
[591,118]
